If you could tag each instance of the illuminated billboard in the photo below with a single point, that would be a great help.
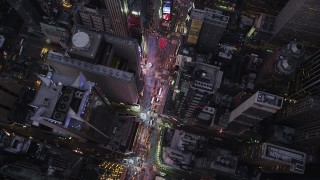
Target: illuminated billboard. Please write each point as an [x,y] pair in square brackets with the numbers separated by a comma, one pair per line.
[194,31]
[166,17]
[166,9]
[165,24]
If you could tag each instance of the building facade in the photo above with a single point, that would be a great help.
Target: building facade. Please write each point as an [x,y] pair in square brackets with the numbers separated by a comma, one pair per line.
[304,117]
[307,79]
[9,94]
[118,11]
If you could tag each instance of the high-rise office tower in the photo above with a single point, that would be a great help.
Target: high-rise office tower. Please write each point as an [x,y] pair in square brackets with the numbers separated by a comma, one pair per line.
[298,21]
[280,67]
[307,79]
[109,60]
[247,116]
[304,116]
[274,159]
[118,11]
[211,32]
[27,11]
[206,28]
[76,107]
[198,82]
[9,94]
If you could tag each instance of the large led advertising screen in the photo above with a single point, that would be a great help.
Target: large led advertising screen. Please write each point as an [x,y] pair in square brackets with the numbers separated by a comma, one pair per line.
[166,9]
[166,17]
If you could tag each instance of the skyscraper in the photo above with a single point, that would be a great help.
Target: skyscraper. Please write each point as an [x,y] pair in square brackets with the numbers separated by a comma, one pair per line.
[247,116]
[198,82]
[27,11]
[211,32]
[109,60]
[76,107]
[304,117]
[9,93]
[206,28]
[298,21]
[118,11]
[277,69]
[307,79]
[274,158]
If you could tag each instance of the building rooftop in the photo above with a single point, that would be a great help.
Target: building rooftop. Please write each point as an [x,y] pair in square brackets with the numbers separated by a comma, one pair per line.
[295,159]
[226,51]
[48,94]
[185,141]
[93,10]
[219,160]
[265,23]
[177,158]
[206,77]
[209,15]
[206,116]
[75,107]
[13,143]
[97,69]
[123,134]
[198,14]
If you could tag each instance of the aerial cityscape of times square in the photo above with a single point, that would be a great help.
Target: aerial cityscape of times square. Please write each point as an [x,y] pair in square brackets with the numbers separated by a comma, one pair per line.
[160,89]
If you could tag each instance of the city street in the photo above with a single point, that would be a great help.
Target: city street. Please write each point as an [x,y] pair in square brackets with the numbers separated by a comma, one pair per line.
[157,74]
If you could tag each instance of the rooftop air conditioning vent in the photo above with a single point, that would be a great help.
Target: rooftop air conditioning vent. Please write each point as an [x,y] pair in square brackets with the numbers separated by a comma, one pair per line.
[63,107]
[79,94]
[65,98]
[58,116]
[68,91]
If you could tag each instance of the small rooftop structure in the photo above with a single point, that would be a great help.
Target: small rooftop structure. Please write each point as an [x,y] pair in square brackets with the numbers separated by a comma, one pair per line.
[290,58]
[206,116]
[86,45]
[186,141]
[177,158]
[219,160]
[13,143]
[206,77]
[226,51]
[80,39]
